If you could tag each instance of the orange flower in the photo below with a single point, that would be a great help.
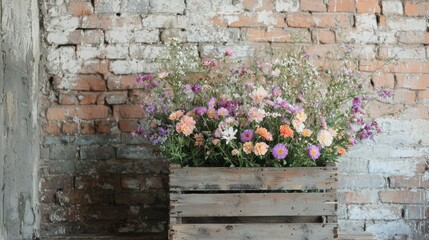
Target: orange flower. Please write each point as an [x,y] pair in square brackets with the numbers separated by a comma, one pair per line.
[199,140]
[248,147]
[263,132]
[260,148]
[286,131]
[341,151]
[186,125]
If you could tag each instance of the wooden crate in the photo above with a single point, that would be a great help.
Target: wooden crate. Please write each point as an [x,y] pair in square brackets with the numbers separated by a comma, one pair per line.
[253,203]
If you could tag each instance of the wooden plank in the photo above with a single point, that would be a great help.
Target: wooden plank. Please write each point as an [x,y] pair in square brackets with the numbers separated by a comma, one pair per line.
[238,179]
[252,204]
[313,231]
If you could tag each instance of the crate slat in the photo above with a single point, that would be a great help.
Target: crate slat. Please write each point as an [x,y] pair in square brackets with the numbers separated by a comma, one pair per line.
[311,231]
[252,204]
[230,179]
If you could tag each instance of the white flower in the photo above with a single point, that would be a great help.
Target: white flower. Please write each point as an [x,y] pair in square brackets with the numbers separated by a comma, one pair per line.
[229,134]
[259,94]
[298,125]
[325,138]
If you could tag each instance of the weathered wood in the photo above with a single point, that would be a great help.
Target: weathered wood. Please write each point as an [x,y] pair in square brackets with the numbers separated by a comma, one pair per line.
[310,231]
[252,204]
[238,179]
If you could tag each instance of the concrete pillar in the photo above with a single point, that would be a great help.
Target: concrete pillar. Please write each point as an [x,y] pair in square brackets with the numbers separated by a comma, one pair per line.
[19,136]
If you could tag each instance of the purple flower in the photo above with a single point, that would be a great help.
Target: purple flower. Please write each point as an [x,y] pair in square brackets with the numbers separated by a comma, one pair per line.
[280,151]
[246,135]
[200,110]
[212,102]
[306,54]
[187,88]
[313,152]
[277,92]
[323,123]
[140,79]
[196,88]
[150,108]
[357,102]
[228,52]
[385,93]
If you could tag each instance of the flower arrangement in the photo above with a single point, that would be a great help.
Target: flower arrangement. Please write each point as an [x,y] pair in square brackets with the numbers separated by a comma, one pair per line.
[279,113]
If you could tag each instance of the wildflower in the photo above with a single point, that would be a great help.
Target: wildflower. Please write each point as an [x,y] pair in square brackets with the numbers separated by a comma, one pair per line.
[187,88]
[313,152]
[199,140]
[279,151]
[298,125]
[186,125]
[259,94]
[286,131]
[163,75]
[229,134]
[200,110]
[235,152]
[222,112]
[215,141]
[256,114]
[277,92]
[323,123]
[301,116]
[212,103]
[264,133]
[246,135]
[325,138]
[248,147]
[260,148]
[307,132]
[341,151]
[276,72]
[175,115]
[144,78]
[196,88]
[228,52]
[385,93]
[212,113]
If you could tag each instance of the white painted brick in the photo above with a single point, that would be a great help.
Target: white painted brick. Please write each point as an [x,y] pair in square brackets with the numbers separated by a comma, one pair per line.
[346,165]
[169,34]
[140,36]
[107,6]
[287,5]
[148,52]
[58,38]
[216,51]
[393,167]
[119,36]
[357,181]
[366,22]
[388,229]
[62,23]
[116,51]
[368,196]
[366,36]
[168,6]
[135,6]
[374,212]
[351,225]
[61,59]
[87,52]
[210,34]
[392,7]
[163,21]
[403,53]
[406,24]
[412,37]
[133,67]
[364,52]
[146,36]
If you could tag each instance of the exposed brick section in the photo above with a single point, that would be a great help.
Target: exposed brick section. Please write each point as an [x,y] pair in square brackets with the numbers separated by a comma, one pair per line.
[97,179]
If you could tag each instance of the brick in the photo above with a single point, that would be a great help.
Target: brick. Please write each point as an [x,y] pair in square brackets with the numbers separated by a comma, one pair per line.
[211,34]
[138,96]
[135,6]
[130,183]
[104,167]
[328,20]
[123,82]
[358,197]
[351,225]
[152,52]
[353,36]
[415,212]
[85,53]
[397,67]
[374,212]
[115,98]
[168,6]
[413,81]
[368,6]
[133,67]
[393,167]
[53,140]
[417,181]
[321,51]
[60,152]
[259,19]
[89,98]
[392,8]
[62,23]
[406,24]
[82,112]
[169,34]
[105,126]
[111,21]
[52,128]
[128,111]
[134,198]
[97,152]
[95,67]
[107,6]
[256,5]
[80,82]
[60,38]
[423,97]
[240,51]
[286,5]
[418,111]
[111,182]
[302,20]
[126,125]
[83,198]
[69,128]
[416,8]
[313,5]
[80,8]
[366,22]
[98,139]
[350,165]
[66,168]
[134,152]
[383,80]
[342,6]
[272,35]
[358,181]
[402,196]
[323,36]
[62,60]
[116,51]
[56,182]
[402,53]
[87,127]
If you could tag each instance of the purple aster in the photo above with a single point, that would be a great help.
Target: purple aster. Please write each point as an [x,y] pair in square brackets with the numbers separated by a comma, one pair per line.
[144,78]
[313,152]
[212,102]
[323,123]
[196,88]
[246,135]
[277,92]
[357,102]
[200,110]
[187,88]
[385,93]
[280,151]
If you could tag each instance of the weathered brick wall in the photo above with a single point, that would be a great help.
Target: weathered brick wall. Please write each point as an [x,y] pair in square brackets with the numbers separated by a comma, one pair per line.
[96,179]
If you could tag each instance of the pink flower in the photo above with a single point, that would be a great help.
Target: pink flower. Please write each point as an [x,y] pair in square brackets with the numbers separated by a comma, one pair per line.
[228,52]
[259,94]
[186,125]
[260,148]
[256,115]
